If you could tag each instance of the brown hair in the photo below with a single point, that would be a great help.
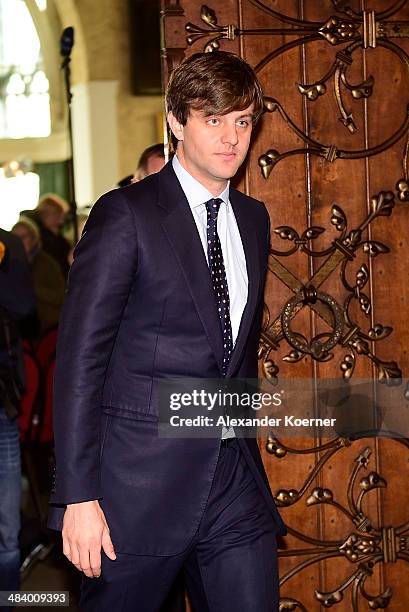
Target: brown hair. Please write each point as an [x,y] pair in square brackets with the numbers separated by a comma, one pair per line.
[52,200]
[30,227]
[216,83]
[155,150]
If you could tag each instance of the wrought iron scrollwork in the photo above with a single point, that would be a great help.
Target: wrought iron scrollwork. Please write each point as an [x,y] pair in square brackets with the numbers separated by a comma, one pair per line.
[316,347]
[364,546]
[366,29]
[270,159]
[344,329]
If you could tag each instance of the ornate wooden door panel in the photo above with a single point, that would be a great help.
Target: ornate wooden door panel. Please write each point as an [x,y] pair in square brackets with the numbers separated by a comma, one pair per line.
[330,160]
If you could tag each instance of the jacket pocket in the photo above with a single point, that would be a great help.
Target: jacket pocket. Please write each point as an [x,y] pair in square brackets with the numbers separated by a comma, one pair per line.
[129,413]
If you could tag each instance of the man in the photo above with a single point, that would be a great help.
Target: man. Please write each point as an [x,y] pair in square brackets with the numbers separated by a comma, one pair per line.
[152,160]
[146,303]
[16,303]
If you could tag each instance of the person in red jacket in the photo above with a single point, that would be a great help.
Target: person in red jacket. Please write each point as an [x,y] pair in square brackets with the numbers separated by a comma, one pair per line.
[16,302]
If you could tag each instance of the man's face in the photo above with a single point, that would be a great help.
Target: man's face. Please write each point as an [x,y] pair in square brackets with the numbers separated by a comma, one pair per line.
[213,147]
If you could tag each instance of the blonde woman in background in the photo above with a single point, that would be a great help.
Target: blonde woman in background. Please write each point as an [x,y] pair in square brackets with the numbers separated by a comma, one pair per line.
[49,216]
[48,279]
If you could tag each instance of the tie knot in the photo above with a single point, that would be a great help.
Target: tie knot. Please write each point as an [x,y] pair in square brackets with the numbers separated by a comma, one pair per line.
[213,207]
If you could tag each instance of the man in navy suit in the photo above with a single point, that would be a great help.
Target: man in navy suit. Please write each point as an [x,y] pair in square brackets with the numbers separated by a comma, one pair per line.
[167,282]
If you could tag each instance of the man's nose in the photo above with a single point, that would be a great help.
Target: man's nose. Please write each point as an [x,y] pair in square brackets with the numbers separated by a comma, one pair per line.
[230,134]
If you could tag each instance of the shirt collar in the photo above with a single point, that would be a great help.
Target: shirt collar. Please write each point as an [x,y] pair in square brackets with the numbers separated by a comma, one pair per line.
[195,192]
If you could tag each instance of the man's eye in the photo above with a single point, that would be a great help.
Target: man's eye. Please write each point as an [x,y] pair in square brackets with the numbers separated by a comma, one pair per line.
[243,123]
[213,121]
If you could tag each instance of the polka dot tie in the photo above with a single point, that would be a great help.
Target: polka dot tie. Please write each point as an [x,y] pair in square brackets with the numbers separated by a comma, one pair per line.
[219,280]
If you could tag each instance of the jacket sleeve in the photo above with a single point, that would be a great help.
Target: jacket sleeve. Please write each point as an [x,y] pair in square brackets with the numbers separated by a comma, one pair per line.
[100,279]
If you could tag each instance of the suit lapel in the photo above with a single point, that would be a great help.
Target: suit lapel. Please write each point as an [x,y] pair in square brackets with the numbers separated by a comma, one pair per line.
[181,230]
[249,240]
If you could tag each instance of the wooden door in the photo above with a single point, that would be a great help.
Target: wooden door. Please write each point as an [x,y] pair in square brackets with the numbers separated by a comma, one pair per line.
[330,160]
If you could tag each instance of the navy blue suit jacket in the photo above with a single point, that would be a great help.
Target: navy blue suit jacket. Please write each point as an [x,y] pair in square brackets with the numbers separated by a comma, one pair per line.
[140,307]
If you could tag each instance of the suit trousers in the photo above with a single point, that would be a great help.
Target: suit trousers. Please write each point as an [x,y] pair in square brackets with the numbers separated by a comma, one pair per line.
[230,566]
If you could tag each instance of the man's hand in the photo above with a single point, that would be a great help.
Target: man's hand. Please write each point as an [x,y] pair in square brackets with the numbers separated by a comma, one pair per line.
[85,532]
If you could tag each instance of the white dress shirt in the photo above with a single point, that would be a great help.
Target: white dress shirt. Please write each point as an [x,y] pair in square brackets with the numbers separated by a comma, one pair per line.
[232,247]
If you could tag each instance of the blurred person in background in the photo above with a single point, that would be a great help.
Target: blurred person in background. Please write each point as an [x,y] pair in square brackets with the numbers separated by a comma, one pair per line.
[50,216]
[152,160]
[48,279]
[16,302]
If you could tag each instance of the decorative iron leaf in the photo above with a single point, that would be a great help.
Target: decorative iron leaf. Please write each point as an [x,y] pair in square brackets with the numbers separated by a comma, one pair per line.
[353,237]
[329,599]
[389,373]
[374,248]
[380,602]
[372,481]
[293,356]
[338,218]
[348,366]
[286,497]
[192,37]
[365,303]
[402,187]
[349,548]
[313,232]
[208,15]
[378,332]
[212,45]
[270,104]
[367,546]
[336,30]
[288,604]
[354,547]
[364,89]
[268,161]
[382,203]
[361,347]
[286,233]
[312,91]
[270,371]
[274,448]
[320,496]
[362,276]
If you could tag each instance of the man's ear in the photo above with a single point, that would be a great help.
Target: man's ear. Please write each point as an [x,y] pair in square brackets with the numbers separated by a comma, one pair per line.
[175,126]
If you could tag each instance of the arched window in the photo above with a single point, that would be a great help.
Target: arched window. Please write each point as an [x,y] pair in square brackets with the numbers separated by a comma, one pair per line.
[24,87]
